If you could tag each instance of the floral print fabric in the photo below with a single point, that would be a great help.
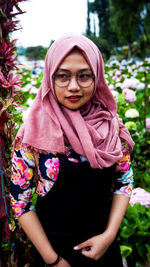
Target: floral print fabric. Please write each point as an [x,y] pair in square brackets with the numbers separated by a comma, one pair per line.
[124,173]
[23,169]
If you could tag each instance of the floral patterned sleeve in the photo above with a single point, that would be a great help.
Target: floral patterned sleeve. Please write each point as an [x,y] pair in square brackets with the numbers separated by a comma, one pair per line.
[124,174]
[23,166]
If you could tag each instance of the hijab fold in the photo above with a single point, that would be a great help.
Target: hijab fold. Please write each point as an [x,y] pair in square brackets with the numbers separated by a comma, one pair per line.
[90,131]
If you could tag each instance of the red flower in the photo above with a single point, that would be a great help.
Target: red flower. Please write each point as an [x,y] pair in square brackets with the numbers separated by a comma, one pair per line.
[7,6]
[7,54]
[10,26]
[13,82]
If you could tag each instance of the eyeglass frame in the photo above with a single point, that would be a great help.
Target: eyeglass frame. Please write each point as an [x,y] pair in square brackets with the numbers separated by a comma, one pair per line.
[75,75]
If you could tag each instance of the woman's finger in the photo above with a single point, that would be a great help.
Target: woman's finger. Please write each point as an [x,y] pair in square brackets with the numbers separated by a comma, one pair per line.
[83,245]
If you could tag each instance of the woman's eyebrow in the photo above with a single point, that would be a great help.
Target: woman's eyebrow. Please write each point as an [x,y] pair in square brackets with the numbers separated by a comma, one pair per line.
[85,69]
[61,69]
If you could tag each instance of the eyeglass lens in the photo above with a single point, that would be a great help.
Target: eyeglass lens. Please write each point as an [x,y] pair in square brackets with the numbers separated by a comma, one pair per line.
[84,79]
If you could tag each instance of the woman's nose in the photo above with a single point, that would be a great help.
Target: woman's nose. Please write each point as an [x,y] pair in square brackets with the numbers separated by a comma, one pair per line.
[73,85]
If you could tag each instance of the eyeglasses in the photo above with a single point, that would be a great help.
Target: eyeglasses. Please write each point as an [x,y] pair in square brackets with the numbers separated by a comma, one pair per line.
[83,78]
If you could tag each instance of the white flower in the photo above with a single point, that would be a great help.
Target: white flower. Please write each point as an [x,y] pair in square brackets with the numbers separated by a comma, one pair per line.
[129,69]
[114,93]
[111,87]
[33,82]
[132,113]
[35,75]
[135,72]
[140,86]
[26,88]
[20,108]
[111,73]
[124,62]
[118,73]
[139,63]
[147,59]
[122,67]
[133,66]
[141,69]
[30,101]
[34,90]
[118,84]
[25,114]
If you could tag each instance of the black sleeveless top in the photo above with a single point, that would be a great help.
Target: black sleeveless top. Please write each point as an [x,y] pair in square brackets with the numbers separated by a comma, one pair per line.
[77,208]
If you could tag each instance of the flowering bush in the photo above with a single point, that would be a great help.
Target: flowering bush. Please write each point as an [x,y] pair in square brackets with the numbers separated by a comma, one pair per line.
[131,90]
[135,235]
[14,245]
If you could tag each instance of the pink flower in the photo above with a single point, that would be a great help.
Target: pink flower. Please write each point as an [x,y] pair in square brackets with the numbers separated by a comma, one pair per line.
[148,123]
[118,73]
[141,196]
[130,83]
[130,95]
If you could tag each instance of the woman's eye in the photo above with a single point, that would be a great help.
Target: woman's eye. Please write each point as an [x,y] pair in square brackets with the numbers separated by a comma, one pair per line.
[84,76]
[62,76]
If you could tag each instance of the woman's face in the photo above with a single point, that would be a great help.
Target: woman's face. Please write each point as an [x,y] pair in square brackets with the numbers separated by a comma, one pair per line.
[74,96]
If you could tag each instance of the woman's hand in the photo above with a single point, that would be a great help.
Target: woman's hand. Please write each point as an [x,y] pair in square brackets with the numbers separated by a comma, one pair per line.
[63,263]
[96,246]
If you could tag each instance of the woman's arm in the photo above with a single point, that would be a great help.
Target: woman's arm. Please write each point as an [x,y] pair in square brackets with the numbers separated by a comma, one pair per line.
[96,246]
[117,212]
[34,230]
[23,168]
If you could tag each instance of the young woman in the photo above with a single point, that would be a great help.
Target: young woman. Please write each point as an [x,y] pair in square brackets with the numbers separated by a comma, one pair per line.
[80,148]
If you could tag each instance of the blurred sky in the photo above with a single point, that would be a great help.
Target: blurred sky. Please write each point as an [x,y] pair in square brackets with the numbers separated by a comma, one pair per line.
[47,20]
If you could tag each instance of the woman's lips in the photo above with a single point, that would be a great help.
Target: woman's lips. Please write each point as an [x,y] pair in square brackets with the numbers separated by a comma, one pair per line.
[74,98]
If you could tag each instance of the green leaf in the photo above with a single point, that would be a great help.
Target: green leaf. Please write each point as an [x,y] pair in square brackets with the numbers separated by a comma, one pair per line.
[141,249]
[148,251]
[125,251]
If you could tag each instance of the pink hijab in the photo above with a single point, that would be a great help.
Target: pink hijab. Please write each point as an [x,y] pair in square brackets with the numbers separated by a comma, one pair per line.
[90,131]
